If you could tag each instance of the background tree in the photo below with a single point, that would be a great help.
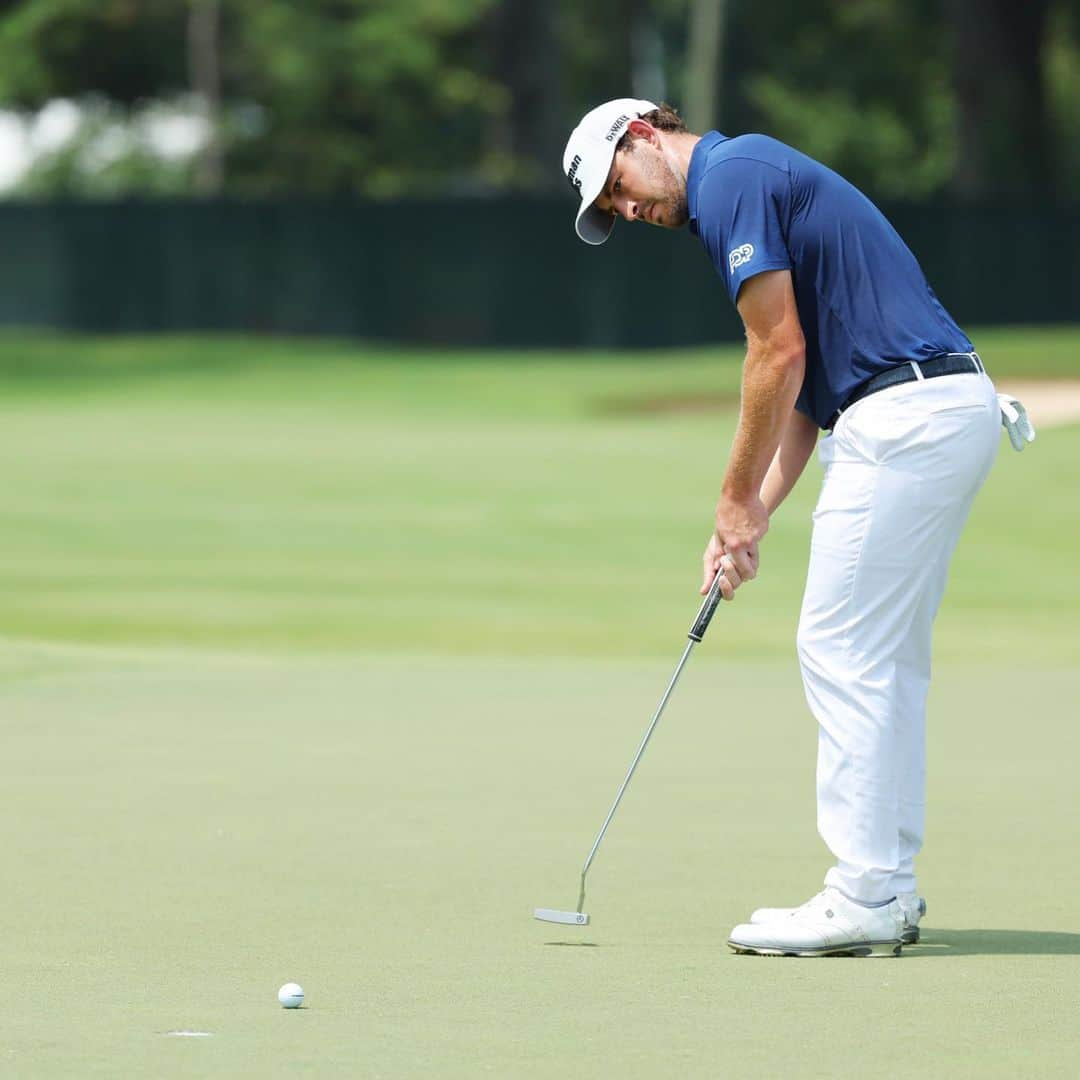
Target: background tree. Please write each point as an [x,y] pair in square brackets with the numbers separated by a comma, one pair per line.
[912,99]
[1003,125]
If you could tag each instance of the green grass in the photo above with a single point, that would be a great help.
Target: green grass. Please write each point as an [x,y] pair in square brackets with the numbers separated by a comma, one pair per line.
[323,663]
[529,508]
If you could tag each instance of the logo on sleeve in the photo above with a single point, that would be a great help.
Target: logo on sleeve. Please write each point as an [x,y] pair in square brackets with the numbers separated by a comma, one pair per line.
[737,256]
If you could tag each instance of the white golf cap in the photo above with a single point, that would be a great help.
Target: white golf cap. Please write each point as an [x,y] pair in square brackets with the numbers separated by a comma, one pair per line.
[587,160]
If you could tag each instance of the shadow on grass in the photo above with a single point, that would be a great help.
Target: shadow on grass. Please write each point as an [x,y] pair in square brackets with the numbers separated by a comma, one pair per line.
[957,943]
[995,943]
[666,404]
[29,357]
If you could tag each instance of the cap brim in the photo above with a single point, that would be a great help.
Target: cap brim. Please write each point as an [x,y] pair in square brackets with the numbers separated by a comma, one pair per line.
[592,225]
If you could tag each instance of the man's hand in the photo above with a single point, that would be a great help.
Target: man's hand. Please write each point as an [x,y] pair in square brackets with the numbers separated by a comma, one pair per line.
[733,546]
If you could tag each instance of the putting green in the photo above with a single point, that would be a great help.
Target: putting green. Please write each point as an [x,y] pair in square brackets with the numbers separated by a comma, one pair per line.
[324,666]
[189,835]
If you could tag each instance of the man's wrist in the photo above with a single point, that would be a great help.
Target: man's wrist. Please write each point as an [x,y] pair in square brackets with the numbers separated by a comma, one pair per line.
[737,492]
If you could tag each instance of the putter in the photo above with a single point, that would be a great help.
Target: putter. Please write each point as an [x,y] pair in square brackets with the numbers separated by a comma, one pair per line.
[697,632]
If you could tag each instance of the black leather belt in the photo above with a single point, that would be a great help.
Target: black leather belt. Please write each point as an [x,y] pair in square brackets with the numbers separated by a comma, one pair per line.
[948,364]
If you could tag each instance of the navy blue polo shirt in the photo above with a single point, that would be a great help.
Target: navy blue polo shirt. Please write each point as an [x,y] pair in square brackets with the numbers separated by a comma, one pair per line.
[863,301]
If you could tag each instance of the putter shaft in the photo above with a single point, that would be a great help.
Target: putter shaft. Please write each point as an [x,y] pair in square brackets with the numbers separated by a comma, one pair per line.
[633,766]
[695,634]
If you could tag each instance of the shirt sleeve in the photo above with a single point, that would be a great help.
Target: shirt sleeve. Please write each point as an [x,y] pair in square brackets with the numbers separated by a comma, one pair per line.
[743,208]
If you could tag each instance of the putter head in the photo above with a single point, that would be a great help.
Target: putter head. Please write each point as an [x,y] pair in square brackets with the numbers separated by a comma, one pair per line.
[569,918]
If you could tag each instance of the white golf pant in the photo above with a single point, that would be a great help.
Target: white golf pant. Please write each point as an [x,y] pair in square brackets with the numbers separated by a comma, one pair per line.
[902,468]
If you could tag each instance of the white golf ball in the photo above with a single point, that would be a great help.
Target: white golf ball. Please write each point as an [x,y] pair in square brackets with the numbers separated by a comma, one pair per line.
[291,995]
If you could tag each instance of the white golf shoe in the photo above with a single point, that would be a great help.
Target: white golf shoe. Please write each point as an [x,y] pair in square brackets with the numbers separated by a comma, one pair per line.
[828,925]
[912,905]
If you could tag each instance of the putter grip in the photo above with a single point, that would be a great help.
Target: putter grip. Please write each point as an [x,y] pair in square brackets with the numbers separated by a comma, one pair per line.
[704,616]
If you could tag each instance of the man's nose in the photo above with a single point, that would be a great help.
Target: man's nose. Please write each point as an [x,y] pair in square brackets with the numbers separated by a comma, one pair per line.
[629,209]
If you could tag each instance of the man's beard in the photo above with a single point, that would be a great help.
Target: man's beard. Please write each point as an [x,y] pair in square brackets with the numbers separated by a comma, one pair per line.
[670,192]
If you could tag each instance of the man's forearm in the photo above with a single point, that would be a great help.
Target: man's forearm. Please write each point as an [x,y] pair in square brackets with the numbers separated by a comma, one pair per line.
[771,382]
[797,444]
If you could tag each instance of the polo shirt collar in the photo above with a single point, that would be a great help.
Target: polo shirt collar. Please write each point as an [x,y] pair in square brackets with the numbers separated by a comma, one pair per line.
[698,161]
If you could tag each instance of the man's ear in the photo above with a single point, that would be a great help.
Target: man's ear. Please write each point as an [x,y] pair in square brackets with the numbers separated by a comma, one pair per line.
[642,129]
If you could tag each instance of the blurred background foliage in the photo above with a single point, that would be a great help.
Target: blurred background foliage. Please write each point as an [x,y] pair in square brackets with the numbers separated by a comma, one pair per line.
[978,100]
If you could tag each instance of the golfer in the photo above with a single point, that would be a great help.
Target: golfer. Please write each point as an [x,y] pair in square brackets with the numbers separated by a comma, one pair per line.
[845,336]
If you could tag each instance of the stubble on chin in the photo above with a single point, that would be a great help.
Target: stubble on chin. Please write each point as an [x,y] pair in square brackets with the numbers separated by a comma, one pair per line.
[679,213]
[674,211]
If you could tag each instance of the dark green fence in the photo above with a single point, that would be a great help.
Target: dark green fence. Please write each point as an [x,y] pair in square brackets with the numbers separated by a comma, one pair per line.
[463,273]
